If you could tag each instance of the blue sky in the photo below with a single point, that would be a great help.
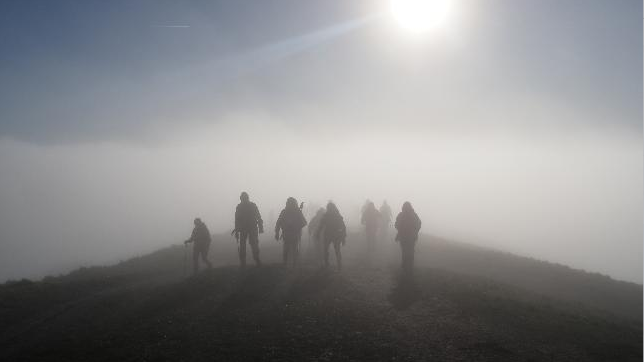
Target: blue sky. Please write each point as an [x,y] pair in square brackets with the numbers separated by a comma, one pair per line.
[93,70]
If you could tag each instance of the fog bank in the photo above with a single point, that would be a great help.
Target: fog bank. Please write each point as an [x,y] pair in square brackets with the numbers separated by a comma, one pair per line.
[572,198]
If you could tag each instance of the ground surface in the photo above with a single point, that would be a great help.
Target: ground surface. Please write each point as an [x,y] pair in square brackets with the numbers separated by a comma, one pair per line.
[143,310]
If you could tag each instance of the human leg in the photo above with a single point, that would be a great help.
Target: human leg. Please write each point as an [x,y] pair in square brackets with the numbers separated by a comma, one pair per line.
[204,256]
[338,253]
[326,244]
[253,239]
[195,260]
[242,248]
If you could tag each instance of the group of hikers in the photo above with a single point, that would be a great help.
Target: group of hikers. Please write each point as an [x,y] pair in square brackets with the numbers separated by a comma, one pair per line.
[326,228]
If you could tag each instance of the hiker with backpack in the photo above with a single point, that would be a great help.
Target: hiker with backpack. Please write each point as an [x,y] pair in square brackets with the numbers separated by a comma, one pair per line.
[371,221]
[314,224]
[248,226]
[335,232]
[200,240]
[385,220]
[408,225]
[290,223]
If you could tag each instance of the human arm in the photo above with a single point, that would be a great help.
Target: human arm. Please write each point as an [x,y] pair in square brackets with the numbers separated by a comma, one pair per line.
[258,217]
[193,236]
[278,225]
[237,221]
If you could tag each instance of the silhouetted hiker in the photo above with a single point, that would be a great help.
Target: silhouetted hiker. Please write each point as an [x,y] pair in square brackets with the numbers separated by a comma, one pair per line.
[201,243]
[314,224]
[291,221]
[408,224]
[371,220]
[335,232]
[248,224]
[385,220]
[365,206]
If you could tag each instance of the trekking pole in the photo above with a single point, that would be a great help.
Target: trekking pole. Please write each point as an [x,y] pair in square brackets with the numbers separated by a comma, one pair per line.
[238,246]
[185,259]
[299,241]
[235,234]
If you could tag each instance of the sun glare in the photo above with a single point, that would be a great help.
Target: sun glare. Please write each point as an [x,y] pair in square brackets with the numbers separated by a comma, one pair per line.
[420,16]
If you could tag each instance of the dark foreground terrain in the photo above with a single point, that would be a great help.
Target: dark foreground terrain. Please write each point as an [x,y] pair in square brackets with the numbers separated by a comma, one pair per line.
[478,305]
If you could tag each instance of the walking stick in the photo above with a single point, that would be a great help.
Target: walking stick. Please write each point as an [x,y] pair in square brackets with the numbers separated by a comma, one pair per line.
[235,233]
[238,246]
[185,259]
[299,241]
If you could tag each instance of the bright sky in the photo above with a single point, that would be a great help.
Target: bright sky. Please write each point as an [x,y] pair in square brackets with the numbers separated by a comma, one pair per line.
[513,124]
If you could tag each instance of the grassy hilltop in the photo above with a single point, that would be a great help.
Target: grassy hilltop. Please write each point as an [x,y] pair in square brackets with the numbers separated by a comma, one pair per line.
[464,304]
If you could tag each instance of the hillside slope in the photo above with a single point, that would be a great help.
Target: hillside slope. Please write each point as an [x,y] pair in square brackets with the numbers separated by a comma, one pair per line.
[143,309]
[557,281]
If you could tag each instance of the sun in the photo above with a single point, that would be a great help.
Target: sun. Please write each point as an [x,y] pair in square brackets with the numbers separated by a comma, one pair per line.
[420,16]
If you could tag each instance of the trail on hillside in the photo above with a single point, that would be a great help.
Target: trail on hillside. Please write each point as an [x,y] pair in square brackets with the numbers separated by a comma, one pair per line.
[144,309]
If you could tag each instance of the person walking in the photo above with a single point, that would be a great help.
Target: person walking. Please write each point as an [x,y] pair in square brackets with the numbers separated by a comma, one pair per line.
[408,225]
[290,223]
[200,240]
[385,220]
[248,226]
[371,221]
[335,232]
[318,244]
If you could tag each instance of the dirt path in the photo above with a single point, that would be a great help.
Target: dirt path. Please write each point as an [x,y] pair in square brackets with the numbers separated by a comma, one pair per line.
[307,314]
